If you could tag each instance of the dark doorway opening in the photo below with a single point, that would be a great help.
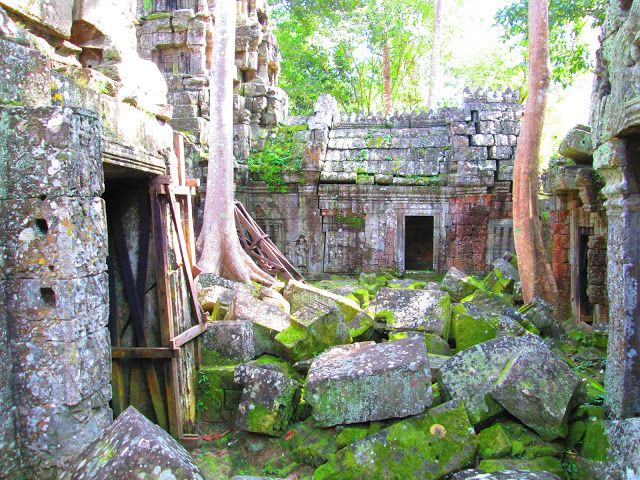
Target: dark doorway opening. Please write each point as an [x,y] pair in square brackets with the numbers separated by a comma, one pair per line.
[586,308]
[418,246]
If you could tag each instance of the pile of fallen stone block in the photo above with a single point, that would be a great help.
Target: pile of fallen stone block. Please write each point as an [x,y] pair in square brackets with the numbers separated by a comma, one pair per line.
[454,375]
[395,378]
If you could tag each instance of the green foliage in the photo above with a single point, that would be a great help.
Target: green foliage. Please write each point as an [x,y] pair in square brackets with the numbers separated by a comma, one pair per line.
[567,20]
[276,158]
[336,48]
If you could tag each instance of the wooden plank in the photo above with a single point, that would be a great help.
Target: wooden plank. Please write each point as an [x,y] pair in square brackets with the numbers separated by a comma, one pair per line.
[142,352]
[178,148]
[188,335]
[161,249]
[193,182]
[117,397]
[193,297]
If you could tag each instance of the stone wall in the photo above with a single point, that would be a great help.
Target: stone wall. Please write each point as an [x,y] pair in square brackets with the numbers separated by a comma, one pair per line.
[578,224]
[64,127]
[363,176]
[55,281]
[178,36]
[615,125]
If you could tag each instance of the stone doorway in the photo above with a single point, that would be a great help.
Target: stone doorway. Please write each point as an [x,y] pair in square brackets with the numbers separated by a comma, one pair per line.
[418,251]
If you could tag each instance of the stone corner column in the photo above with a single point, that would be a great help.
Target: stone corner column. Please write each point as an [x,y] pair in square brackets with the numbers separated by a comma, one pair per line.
[54,240]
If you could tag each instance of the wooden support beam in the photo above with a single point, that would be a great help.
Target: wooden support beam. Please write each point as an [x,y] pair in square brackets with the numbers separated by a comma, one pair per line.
[188,335]
[142,352]
[163,290]
[182,244]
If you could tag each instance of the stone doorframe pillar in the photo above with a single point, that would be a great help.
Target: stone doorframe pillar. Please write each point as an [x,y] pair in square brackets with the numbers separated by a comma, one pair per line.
[622,191]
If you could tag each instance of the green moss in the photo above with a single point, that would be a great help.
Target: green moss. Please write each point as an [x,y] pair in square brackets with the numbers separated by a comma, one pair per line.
[11,103]
[595,442]
[299,344]
[213,358]
[283,366]
[437,395]
[542,464]
[494,442]
[220,376]
[591,412]
[576,433]
[429,446]
[469,331]
[261,419]
[351,220]
[310,444]
[350,435]
[157,15]
[278,157]
[436,345]
[385,316]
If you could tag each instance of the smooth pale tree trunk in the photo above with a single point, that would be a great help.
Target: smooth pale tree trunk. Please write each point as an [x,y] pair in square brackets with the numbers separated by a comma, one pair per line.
[536,275]
[386,76]
[221,252]
[434,70]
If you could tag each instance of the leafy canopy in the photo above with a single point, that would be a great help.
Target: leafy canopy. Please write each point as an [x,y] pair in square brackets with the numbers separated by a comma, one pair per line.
[568,19]
[336,47]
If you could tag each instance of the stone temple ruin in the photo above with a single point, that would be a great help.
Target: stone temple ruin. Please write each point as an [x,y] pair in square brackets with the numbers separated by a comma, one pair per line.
[104,115]
[419,191]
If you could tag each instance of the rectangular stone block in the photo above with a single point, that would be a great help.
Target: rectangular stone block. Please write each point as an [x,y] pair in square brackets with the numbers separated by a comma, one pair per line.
[62,373]
[55,15]
[54,237]
[482,140]
[501,153]
[53,152]
[352,384]
[239,340]
[35,300]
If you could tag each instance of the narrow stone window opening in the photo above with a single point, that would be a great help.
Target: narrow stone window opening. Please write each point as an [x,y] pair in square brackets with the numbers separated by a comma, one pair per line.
[475,118]
[41,226]
[418,243]
[48,296]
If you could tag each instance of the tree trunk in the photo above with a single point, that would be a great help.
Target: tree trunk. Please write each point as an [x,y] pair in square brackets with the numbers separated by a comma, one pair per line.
[386,76]
[221,252]
[434,71]
[535,271]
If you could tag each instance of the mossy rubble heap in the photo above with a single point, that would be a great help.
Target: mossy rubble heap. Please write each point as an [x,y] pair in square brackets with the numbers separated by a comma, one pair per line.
[504,405]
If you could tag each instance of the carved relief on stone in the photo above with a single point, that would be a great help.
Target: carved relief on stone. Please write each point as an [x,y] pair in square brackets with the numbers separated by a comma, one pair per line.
[301,252]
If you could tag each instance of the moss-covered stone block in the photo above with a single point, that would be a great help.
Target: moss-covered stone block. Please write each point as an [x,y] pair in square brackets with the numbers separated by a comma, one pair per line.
[541,464]
[427,447]
[299,294]
[421,310]
[576,433]
[349,435]
[298,343]
[212,405]
[469,331]
[458,284]
[269,398]
[367,381]
[595,442]
[494,442]
[360,325]
[538,389]
[436,345]
[309,443]
[472,373]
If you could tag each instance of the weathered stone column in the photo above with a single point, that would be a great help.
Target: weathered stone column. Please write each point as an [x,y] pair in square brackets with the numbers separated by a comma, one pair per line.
[56,287]
[623,212]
